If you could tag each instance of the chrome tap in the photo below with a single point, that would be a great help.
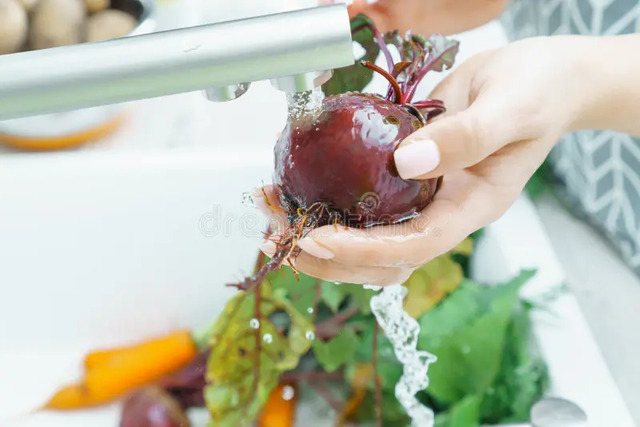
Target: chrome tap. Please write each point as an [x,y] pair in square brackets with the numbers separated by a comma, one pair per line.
[296,50]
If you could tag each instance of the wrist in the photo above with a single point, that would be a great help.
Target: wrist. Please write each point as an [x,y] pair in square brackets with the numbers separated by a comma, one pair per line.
[607,76]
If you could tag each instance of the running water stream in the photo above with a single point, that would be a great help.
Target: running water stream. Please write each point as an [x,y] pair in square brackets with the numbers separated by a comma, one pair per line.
[403,330]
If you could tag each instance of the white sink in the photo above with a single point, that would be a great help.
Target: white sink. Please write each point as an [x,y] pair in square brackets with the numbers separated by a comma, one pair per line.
[118,241]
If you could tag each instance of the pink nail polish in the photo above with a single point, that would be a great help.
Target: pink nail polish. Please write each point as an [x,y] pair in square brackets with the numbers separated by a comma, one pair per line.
[416,158]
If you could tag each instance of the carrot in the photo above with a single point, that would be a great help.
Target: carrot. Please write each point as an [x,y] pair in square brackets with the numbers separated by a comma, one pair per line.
[279,411]
[111,374]
[179,339]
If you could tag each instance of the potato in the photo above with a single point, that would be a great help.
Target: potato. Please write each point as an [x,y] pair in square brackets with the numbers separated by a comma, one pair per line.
[57,23]
[95,6]
[13,26]
[109,24]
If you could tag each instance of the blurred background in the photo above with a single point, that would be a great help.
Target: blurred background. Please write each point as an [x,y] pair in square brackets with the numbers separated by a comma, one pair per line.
[123,221]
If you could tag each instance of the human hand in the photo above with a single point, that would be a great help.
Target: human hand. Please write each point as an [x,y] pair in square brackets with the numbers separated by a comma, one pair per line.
[506,110]
[428,16]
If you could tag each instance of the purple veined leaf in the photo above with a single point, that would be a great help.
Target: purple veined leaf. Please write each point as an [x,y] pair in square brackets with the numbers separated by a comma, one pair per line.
[441,53]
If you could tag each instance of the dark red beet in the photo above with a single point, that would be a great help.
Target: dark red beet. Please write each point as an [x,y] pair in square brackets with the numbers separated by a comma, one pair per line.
[342,158]
[152,407]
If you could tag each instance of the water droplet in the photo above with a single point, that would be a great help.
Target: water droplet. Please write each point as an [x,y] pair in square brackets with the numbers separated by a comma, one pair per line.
[310,335]
[337,283]
[268,338]
[288,392]
[247,200]
[310,310]
[254,323]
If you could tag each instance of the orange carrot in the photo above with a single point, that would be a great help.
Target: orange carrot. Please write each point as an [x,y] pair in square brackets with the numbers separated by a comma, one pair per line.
[113,373]
[279,411]
[176,339]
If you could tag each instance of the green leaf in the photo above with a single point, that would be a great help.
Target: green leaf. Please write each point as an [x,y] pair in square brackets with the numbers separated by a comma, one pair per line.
[333,295]
[523,377]
[540,181]
[389,369]
[429,284]
[355,78]
[336,352]
[301,292]
[393,413]
[234,395]
[470,347]
[465,413]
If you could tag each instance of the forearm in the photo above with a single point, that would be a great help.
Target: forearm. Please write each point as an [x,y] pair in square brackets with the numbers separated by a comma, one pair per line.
[611,80]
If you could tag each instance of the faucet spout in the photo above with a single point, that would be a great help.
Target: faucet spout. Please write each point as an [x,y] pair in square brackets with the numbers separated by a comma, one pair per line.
[296,50]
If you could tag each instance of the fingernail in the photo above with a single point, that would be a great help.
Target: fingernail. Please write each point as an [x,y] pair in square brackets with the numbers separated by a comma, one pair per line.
[416,158]
[268,247]
[312,247]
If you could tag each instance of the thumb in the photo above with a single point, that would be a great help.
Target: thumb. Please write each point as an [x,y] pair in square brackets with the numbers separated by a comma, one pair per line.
[457,141]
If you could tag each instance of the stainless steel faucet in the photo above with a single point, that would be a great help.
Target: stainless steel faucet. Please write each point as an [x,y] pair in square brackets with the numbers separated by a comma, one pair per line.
[296,50]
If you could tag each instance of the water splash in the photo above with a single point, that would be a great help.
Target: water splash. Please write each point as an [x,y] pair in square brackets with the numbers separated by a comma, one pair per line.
[288,392]
[303,103]
[403,330]
[254,323]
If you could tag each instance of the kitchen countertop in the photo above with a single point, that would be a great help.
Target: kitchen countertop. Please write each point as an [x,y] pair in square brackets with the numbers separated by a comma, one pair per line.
[607,290]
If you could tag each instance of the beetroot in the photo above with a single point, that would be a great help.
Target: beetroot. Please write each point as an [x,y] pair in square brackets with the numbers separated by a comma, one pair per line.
[343,158]
[334,164]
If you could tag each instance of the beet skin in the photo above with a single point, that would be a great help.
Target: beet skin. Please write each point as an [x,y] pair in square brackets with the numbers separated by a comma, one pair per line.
[342,157]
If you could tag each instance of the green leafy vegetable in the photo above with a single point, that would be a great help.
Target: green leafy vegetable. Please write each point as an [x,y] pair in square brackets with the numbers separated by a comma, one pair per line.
[430,284]
[337,351]
[465,413]
[243,366]
[522,379]
[334,295]
[470,354]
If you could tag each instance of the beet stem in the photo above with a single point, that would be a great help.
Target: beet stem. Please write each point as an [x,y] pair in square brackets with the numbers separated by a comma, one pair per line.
[394,83]
[384,48]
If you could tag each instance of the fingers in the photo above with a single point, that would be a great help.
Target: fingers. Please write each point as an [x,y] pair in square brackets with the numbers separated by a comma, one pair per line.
[332,271]
[464,204]
[405,245]
[457,141]
[267,200]
[481,119]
